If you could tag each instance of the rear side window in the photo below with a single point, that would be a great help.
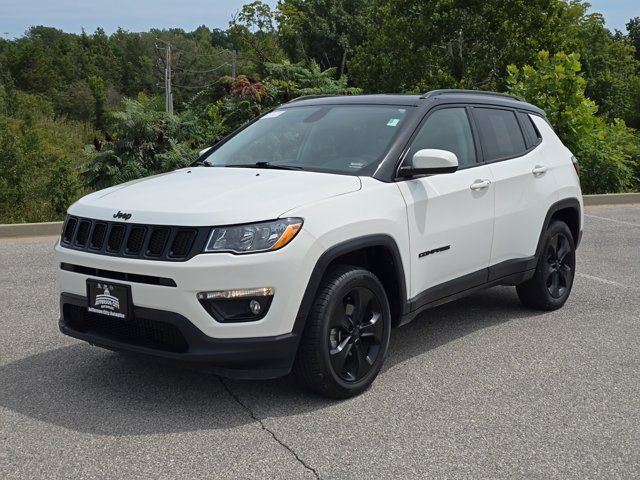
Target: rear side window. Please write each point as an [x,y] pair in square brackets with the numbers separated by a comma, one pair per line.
[531,134]
[500,133]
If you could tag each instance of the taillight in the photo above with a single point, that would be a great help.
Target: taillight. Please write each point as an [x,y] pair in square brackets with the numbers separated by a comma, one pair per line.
[576,165]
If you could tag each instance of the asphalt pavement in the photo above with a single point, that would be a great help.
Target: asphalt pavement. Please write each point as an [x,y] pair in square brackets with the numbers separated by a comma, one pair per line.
[479,388]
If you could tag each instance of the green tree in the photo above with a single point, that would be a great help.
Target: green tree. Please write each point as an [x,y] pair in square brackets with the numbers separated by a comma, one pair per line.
[143,141]
[417,45]
[633,29]
[326,31]
[32,170]
[99,95]
[609,67]
[608,153]
[254,31]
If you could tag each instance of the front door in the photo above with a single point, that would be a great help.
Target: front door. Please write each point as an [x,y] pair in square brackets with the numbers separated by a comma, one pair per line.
[450,216]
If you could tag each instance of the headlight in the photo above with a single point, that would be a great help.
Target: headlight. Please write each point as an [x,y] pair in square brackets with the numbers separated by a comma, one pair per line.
[254,237]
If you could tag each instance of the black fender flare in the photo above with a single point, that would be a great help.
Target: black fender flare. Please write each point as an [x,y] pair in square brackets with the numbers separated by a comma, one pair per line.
[338,250]
[566,203]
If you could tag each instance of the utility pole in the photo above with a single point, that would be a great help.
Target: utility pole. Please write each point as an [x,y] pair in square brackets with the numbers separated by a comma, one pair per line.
[167,80]
[234,61]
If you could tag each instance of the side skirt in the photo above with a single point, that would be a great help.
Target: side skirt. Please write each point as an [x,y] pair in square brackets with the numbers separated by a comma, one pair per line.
[510,272]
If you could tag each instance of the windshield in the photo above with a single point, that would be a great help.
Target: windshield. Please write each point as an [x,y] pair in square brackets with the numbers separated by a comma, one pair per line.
[348,139]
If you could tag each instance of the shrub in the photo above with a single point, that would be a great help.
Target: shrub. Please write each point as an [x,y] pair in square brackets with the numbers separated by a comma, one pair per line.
[39,158]
[142,141]
[608,153]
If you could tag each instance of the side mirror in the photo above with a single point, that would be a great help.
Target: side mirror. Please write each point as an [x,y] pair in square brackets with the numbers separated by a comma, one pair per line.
[203,151]
[430,161]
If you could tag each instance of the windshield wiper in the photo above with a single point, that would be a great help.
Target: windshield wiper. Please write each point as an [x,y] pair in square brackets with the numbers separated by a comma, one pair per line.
[201,163]
[275,166]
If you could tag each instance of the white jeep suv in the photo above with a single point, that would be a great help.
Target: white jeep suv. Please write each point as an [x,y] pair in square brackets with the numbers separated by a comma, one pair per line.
[300,240]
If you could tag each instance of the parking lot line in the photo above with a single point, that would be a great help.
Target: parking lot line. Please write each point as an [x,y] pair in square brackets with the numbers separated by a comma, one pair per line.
[604,280]
[612,220]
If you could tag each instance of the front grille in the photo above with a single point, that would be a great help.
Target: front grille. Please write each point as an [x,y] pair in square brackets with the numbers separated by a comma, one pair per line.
[142,332]
[182,243]
[69,230]
[83,233]
[116,236]
[135,240]
[98,236]
[157,242]
[150,242]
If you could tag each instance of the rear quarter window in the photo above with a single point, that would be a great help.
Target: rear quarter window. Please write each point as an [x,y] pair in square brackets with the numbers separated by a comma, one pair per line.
[531,135]
[500,133]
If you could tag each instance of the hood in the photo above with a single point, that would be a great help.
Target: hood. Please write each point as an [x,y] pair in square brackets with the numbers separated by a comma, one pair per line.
[204,196]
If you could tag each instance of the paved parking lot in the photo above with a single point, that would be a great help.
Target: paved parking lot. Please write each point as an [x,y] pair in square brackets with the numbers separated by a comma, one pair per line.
[475,389]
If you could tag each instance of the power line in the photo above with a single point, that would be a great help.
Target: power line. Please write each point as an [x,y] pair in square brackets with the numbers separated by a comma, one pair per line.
[168,58]
[200,87]
[203,71]
[198,55]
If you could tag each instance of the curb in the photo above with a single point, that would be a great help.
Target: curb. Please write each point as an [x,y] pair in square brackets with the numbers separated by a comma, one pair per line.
[611,199]
[17,230]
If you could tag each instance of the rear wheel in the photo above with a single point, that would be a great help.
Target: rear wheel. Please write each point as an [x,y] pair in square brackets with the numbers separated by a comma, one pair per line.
[346,336]
[550,286]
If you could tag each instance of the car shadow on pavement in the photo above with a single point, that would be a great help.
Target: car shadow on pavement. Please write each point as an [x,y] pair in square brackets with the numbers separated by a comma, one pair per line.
[100,392]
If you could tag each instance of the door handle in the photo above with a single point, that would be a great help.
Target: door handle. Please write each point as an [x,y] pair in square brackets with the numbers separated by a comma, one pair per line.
[539,170]
[480,184]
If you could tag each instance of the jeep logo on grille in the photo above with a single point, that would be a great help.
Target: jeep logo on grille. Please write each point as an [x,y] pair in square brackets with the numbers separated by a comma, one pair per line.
[124,216]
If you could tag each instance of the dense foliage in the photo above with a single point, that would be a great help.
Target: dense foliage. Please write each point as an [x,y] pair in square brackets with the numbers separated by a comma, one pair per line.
[608,151]
[83,111]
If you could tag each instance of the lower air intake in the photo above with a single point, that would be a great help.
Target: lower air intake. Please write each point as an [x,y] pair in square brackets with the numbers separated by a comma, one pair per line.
[142,332]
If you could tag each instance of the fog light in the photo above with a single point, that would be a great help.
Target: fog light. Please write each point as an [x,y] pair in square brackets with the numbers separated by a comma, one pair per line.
[244,292]
[255,307]
[242,305]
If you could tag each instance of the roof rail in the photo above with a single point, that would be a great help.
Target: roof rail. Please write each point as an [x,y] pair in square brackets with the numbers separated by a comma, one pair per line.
[308,97]
[453,91]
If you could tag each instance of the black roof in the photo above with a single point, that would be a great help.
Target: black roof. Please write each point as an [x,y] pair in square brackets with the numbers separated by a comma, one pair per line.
[437,96]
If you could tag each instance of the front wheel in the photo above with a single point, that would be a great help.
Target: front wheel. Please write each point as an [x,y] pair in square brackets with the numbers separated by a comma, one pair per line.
[346,336]
[550,286]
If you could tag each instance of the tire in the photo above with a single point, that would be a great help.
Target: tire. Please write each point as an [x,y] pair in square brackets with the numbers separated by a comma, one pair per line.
[346,336]
[550,286]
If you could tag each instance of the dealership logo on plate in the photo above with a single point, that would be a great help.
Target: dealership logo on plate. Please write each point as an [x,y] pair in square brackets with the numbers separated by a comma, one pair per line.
[106,301]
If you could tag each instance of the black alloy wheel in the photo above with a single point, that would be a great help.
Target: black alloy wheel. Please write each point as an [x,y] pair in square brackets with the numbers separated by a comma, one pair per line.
[551,284]
[355,334]
[346,335]
[560,265]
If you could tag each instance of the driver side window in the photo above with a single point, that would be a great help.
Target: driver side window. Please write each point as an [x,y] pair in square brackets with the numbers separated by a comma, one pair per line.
[447,129]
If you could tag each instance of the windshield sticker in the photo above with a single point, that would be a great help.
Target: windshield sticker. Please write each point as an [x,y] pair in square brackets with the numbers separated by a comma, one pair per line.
[393,122]
[357,165]
[275,113]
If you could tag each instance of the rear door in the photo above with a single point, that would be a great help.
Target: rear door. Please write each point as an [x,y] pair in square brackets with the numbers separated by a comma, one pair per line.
[450,216]
[523,182]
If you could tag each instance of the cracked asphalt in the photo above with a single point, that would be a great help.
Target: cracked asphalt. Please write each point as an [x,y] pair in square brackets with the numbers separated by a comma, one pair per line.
[479,388]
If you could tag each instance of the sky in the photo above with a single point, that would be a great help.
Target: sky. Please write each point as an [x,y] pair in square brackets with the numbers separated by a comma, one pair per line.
[141,15]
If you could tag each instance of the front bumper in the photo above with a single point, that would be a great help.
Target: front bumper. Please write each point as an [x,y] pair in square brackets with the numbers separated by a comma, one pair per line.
[170,335]
[287,271]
